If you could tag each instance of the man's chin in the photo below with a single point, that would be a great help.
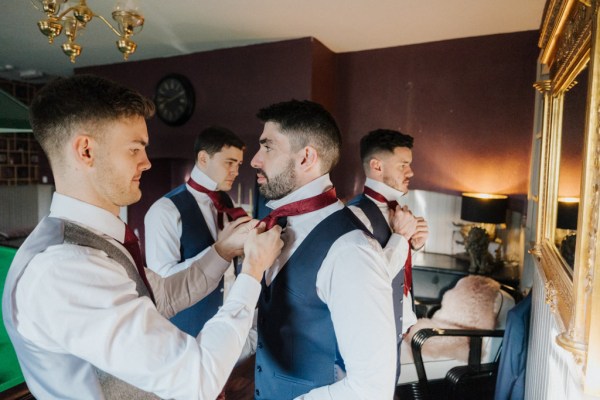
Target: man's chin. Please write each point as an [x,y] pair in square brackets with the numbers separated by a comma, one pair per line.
[131,199]
[137,197]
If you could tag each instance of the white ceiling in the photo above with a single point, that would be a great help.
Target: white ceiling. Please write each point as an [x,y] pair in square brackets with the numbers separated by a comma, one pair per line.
[178,27]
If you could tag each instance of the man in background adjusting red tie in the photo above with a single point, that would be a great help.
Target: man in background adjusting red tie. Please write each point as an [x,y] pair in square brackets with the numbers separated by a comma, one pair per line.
[182,225]
[386,157]
[325,317]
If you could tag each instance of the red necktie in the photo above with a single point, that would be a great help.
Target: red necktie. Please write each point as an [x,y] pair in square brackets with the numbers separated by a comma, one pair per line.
[408,272]
[133,247]
[379,197]
[219,203]
[408,264]
[301,207]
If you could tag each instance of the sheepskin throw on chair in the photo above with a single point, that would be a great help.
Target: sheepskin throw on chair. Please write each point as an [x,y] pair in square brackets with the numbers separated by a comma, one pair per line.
[473,303]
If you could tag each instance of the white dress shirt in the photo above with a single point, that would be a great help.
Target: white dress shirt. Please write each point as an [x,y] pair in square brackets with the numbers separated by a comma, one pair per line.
[397,248]
[74,308]
[163,232]
[355,283]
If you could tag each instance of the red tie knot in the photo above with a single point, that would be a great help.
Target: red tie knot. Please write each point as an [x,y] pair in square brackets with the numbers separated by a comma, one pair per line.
[380,198]
[301,207]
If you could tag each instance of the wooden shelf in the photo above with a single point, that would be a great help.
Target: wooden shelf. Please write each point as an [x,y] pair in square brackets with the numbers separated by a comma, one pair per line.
[19,159]
[22,91]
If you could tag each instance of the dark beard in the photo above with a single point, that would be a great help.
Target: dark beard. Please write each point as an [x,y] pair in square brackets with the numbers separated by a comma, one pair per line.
[280,185]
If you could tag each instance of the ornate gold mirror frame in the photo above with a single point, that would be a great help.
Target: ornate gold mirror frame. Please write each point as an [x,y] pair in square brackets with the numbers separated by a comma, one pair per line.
[570,41]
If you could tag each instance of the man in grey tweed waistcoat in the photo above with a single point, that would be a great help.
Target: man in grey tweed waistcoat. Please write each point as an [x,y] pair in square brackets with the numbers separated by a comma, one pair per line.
[87,320]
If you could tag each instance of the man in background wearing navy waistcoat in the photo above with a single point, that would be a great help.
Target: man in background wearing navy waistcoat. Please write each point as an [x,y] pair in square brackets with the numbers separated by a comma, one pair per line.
[386,157]
[325,315]
[182,225]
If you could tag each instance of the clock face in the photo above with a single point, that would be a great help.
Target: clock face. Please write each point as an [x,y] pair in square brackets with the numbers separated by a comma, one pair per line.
[174,99]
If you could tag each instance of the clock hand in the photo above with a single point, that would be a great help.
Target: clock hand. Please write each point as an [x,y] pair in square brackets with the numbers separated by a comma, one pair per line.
[170,99]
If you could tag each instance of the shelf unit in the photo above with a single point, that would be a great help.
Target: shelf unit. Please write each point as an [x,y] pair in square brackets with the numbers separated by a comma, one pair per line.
[22,91]
[19,159]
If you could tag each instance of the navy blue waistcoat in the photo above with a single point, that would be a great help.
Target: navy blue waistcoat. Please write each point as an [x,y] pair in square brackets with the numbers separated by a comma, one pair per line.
[195,237]
[382,232]
[297,348]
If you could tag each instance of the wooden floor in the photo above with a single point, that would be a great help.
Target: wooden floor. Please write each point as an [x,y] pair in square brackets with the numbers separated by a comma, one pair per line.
[240,385]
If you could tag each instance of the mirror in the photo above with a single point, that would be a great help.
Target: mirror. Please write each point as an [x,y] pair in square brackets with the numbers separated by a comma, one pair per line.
[570,164]
[570,44]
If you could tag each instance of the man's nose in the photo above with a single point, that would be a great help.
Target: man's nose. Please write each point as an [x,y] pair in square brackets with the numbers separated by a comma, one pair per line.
[255,162]
[146,163]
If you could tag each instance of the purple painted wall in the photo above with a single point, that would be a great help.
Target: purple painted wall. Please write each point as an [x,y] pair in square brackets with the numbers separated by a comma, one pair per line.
[468,103]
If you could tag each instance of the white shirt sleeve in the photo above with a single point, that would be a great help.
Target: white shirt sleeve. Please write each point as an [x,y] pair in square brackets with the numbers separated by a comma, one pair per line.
[396,249]
[105,323]
[162,226]
[250,346]
[355,285]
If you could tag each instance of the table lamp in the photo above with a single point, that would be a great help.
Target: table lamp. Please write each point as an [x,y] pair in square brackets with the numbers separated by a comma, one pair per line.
[484,208]
[566,214]
[566,224]
[486,211]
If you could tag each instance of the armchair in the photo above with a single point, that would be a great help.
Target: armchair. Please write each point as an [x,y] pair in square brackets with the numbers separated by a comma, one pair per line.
[460,378]
[459,342]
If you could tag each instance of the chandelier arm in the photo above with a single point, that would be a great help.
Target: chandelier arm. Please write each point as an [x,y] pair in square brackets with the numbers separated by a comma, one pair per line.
[62,15]
[35,5]
[108,24]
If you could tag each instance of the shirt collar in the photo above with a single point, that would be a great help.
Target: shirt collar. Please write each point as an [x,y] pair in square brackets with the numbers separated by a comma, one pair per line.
[91,216]
[311,189]
[203,179]
[387,191]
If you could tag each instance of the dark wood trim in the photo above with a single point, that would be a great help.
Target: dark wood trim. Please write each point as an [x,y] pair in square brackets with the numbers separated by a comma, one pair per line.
[19,392]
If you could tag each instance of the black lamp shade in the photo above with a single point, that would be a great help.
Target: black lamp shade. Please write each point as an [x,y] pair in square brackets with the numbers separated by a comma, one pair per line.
[484,208]
[566,214]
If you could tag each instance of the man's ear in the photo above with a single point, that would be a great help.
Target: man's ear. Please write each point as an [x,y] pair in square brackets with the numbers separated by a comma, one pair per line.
[202,158]
[310,157]
[376,166]
[84,149]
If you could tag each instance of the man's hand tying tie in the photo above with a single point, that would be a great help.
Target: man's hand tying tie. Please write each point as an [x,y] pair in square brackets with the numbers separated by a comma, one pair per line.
[230,241]
[421,234]
[403,222]
[261,249]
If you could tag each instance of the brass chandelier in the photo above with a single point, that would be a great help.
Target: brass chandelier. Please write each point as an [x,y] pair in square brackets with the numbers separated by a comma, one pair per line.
[72,16]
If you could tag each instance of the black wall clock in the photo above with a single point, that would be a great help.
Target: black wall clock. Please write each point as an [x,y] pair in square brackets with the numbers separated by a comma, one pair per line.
[174,99]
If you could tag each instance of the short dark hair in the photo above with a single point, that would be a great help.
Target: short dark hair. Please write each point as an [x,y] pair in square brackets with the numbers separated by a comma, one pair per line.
[213,138]
[65,103]
[382,140]
[307,123]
